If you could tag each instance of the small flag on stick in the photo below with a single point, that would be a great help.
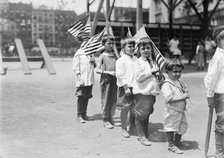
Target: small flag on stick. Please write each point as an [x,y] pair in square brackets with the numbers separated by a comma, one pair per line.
[159,59]
[81,28]
[93,44]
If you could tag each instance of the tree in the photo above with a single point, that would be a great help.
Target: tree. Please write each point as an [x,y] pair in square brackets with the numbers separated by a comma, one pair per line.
[172,4]
[205,16]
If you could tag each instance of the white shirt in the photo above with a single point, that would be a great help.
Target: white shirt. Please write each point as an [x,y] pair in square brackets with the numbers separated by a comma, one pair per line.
[82,65]
[125,70]
[214,79]
[150,85]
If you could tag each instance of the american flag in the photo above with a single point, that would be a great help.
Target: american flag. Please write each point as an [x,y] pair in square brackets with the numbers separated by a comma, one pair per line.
[159,59]
[93,44]
[81,28]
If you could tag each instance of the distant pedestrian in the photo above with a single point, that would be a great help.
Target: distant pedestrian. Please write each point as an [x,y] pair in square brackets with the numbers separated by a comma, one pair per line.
[175,94]
[214,82]
[145,88]
[125,80]
[83,67]
[174,47]
[106,67]
[200,49]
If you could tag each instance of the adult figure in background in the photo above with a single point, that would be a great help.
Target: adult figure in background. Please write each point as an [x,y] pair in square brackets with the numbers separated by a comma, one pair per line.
[174,47]
[200,49]
[214,82]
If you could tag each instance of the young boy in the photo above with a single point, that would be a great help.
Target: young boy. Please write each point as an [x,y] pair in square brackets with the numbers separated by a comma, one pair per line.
[106,68]
[83,67]
[214,82]
[175,93]
[125,80]
[145,88]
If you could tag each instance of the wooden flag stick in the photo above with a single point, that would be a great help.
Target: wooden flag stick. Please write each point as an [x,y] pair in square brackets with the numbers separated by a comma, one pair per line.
[208,132]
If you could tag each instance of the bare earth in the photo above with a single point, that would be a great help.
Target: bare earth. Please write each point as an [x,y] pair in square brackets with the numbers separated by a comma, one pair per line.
[38,119]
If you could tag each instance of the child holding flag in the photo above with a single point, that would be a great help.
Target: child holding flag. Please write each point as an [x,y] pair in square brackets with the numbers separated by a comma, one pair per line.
[145,89]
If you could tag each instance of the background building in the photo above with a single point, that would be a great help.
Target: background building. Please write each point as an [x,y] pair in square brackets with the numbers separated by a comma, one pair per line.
[20,14]
[43,26]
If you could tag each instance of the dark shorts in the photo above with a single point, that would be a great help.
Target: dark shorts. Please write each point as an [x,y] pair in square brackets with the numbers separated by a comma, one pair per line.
[144,105]
[85,91]
[219,109]
[124,101]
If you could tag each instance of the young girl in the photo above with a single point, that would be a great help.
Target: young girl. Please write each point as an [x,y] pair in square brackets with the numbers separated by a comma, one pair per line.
[175,93]
[145,88]
[106,68]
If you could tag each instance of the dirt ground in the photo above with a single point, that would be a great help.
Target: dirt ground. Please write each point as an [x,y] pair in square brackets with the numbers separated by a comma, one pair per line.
[38,119]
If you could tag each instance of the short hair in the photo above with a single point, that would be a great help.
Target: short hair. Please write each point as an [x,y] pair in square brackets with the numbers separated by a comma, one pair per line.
[218,31]
[143,41]
[128,40]
[107,37]
[174,63]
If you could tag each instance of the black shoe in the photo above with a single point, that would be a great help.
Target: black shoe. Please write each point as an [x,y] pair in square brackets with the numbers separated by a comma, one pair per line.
[87,118]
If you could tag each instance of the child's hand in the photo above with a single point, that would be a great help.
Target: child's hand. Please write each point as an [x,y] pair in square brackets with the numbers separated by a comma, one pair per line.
[81,83]
[154,70]
[186,95]
[112,73]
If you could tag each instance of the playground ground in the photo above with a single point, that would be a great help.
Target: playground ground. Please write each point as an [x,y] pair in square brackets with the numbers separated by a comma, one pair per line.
[38,119]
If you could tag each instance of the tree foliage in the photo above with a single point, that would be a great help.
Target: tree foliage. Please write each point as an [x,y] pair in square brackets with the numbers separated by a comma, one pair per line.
[205,16]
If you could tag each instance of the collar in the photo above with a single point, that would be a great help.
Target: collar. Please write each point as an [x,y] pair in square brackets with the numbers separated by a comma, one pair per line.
[221,50]
[146,59]
[131,56]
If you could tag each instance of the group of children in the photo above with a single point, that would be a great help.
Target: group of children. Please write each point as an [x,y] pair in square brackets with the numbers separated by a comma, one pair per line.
[131,84]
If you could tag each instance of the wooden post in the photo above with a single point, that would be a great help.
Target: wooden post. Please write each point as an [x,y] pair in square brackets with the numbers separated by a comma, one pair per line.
[139,15]
[87,7]
[107,14]
[46,57]
[96,17]
[22,56]
[2,72]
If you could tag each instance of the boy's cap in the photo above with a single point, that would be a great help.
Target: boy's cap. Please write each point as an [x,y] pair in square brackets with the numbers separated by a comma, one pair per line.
[218,31]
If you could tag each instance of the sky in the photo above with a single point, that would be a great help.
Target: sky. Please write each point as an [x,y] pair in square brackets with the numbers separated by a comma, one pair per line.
[79,6]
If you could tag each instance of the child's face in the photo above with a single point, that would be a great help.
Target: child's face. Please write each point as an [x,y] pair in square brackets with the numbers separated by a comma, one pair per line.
[175,74]
[129,48]
[109,45]
[145,50]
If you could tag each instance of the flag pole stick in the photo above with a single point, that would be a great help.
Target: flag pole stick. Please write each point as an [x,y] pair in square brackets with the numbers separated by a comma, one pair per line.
[208,132]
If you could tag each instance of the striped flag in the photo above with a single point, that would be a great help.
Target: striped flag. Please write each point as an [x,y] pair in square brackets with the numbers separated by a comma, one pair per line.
[159,59]
[93,44]
[81,28]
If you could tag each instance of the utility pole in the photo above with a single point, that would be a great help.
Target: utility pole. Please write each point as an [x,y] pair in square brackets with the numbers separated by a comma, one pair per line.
[139,17]
[107,14]
[87,7]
